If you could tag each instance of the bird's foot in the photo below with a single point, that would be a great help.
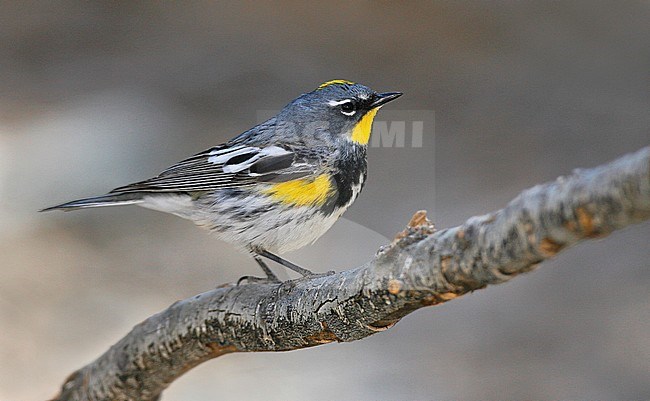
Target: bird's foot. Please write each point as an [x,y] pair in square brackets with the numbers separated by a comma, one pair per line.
[316,275]
[257,280]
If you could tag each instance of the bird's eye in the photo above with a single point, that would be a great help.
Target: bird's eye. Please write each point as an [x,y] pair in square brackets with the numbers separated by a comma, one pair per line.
[348,108]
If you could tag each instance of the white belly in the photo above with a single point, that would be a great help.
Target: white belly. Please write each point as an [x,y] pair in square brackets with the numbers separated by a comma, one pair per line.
[246,220]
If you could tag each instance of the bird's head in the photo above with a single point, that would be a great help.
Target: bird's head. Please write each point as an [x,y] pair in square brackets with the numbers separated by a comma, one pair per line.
[338,109]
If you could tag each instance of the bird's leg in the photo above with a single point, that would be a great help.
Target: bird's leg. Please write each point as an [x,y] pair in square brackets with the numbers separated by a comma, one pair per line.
[270,277]
[300,270]
[269,274]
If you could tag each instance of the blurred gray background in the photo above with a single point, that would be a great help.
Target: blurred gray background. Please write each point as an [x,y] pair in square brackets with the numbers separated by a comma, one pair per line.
[94,95]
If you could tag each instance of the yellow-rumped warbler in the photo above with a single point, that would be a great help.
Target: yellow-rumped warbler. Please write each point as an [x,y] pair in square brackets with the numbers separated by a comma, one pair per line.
[276,187]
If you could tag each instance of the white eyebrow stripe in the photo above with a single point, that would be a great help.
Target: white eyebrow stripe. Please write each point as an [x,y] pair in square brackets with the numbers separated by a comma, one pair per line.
[337,102]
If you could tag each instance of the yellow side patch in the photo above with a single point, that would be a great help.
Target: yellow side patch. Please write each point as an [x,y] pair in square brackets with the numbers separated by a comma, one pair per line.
[335,82]
[361,131]
[302,192]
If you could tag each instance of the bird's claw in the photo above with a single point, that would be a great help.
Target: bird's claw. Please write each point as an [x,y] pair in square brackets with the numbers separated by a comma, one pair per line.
[257,280]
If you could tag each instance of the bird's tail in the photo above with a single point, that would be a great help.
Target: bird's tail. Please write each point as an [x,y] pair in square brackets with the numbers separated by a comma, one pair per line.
[116,199]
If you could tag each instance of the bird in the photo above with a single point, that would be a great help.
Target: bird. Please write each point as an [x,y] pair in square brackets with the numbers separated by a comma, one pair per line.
[276,187]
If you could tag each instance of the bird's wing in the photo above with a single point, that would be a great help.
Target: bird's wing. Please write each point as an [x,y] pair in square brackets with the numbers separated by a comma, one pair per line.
[227,167]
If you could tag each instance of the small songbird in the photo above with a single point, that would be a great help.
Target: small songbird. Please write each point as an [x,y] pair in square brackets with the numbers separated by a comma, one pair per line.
[276,187]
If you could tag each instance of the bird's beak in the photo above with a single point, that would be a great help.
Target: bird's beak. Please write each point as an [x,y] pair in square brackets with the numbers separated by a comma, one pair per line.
[383,98]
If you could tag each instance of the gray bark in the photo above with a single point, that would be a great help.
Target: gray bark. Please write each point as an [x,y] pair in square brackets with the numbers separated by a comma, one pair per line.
[421,267]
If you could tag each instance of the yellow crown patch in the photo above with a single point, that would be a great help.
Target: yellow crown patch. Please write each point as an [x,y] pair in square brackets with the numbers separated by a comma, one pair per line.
[334,82]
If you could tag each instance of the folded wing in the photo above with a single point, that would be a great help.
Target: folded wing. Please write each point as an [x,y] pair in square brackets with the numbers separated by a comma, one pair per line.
[227,167]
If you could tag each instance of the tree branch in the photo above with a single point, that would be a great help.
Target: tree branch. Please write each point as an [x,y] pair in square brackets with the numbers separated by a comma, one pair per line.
[421,267]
